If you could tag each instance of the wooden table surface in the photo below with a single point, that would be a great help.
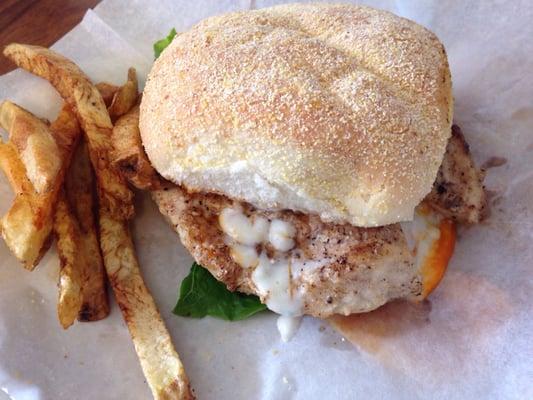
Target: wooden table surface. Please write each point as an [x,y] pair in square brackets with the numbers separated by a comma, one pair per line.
[41,22]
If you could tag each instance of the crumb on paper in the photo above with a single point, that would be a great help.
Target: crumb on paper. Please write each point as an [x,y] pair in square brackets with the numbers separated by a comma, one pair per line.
[494,162]
[287,383]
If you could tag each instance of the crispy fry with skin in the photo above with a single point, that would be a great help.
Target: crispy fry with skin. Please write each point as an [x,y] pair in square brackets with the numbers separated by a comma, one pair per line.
[35,145]
[160,363]
[14,169]
[66,132]
[79,190]
[126,96]
[27,225]
[128,155]
[78,91]
[71,257]
[107,90]
[25,239]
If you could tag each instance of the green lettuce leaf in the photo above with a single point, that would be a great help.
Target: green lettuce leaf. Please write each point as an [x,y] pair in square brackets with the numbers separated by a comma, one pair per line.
[162,44]
[201,294]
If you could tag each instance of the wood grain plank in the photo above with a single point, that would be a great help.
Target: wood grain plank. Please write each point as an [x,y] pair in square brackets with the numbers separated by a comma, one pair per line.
[41,22]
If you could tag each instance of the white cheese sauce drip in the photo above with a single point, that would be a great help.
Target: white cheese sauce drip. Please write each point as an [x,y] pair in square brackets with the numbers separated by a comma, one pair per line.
[287,326]
[272,277]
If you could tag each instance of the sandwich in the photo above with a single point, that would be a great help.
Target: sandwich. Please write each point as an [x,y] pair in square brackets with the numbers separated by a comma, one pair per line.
[309,156]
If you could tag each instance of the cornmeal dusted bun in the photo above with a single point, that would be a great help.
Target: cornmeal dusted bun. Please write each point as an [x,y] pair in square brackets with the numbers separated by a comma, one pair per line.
[337,110]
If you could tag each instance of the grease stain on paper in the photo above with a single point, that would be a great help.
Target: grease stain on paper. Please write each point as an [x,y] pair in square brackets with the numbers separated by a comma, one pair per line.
[439,342]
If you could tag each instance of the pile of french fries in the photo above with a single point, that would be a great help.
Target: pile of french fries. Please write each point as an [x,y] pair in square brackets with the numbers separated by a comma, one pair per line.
[69,179]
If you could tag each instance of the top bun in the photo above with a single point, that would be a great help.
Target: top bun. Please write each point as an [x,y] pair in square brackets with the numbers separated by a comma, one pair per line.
[338,110]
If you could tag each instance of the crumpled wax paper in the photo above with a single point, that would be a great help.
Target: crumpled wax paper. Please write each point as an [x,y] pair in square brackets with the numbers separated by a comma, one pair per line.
[471,340]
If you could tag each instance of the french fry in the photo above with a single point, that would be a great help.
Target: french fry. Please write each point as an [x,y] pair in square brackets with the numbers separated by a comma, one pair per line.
[161,365]
[66,132]
[128,155]
[79,190]
[107,90]
[35,145]
[27,225]
[71,257]
[26,240]
[77,90]
[126,96]
[14,169]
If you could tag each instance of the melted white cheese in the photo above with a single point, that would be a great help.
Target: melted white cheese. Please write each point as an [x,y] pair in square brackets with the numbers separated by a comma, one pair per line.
[245,256]
[273,281]
[281,235]
[241,229]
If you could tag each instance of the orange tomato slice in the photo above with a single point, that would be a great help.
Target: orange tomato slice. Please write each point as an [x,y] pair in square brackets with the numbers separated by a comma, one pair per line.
[437,261]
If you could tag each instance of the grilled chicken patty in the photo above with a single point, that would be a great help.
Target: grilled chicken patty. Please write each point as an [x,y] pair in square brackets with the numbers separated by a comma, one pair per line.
[332,268]
[458,191]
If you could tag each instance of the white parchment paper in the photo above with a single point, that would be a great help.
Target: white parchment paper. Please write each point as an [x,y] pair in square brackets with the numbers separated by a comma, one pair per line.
[472,340]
